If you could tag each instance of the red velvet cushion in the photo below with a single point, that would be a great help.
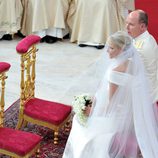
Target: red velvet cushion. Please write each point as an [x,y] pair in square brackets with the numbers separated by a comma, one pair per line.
[24,45]
[48,111]
[4,66]
[18,142]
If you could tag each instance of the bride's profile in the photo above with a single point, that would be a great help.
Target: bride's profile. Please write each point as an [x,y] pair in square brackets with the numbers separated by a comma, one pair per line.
[122,121]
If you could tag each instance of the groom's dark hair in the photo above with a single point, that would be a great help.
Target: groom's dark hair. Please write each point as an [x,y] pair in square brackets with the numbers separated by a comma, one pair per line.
[143,17]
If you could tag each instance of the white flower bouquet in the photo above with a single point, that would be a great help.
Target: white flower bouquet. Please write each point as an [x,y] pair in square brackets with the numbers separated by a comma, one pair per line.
[79,106]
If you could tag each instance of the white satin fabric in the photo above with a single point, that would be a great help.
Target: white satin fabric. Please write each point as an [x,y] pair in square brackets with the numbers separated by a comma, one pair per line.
[120,127]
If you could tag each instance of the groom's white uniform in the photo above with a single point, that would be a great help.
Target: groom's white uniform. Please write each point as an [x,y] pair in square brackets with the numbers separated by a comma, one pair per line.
[148,50]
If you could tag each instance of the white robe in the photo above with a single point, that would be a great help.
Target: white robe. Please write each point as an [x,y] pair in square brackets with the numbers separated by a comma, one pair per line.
[45,17]
[92,21]
[10,16]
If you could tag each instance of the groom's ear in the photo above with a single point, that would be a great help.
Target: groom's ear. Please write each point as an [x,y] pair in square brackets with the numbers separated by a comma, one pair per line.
[142,27]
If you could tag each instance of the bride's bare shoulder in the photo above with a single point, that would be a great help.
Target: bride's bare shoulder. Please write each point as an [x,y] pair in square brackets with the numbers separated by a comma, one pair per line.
[122,67]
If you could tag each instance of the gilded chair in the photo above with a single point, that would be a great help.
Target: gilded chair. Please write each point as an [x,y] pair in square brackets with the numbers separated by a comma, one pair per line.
[38,111]
[14,143]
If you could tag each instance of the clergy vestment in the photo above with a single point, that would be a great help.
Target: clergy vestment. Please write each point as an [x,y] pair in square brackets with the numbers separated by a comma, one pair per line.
[10,16]
[92,21]
[40,15]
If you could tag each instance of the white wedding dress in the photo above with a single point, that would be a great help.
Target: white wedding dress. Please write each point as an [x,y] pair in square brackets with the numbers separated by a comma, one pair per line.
[118,128]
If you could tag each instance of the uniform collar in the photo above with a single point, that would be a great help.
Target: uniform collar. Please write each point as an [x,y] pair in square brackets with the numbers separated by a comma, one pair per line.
[142,36]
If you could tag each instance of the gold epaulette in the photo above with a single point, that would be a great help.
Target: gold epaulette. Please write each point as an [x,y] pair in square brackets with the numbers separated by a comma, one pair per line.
[139,44]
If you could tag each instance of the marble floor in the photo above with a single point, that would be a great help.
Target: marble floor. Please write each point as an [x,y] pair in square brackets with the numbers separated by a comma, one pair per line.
[58,68]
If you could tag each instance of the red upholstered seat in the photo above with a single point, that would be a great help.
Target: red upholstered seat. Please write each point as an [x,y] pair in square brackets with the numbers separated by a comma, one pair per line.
[48,111]
[4,66]
[24,45]
[18,142]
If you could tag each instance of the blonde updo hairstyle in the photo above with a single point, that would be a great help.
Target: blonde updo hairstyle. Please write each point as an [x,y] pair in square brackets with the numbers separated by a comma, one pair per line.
[120,39]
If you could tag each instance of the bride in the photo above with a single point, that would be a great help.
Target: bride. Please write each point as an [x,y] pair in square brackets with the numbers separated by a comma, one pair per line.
[121,121]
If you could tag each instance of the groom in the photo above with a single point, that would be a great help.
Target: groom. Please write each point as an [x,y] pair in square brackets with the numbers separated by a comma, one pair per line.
[136,25]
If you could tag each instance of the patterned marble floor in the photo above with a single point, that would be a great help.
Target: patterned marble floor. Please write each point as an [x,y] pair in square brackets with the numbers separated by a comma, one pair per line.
[58,65]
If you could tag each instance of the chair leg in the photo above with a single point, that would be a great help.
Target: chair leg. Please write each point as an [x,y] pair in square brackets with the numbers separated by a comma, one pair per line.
[67,126]
[20,123]
[25,123]
[38,153]
[56,137]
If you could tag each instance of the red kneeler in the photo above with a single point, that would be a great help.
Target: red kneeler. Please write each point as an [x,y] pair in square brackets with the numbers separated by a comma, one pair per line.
[13,142]
[35,110]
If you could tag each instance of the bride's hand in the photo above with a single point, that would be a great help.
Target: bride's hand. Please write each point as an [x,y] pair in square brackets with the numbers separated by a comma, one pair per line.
[87,110]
